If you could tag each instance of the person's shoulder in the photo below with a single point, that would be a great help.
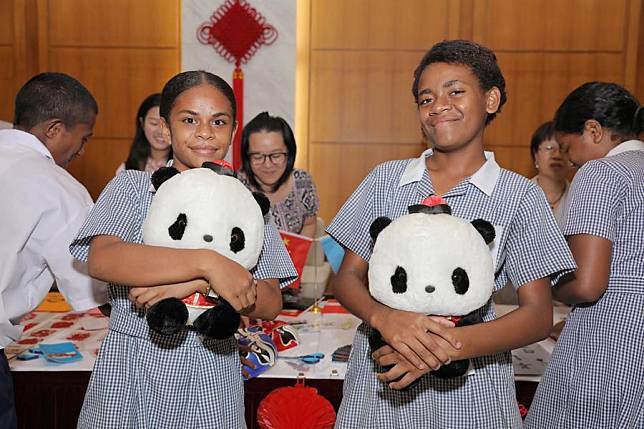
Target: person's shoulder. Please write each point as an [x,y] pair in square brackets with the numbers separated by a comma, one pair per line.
[302,178]
[515,182]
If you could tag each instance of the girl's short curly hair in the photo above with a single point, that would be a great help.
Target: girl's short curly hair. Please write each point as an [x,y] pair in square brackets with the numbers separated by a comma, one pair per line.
[481,60]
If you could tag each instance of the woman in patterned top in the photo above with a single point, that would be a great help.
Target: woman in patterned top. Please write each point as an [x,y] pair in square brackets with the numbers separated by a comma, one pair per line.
[458,88]
[596,375]
[150,149]
[268,154]
[142,379]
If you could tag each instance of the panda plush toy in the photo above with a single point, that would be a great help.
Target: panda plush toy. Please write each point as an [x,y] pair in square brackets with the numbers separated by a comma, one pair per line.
[433,263]
[203,208]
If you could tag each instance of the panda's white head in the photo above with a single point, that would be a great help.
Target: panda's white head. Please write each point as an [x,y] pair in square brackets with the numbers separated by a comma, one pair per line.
[431,262]
[202,208]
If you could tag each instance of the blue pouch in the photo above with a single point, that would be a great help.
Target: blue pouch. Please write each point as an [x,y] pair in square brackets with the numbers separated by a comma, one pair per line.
[60,353]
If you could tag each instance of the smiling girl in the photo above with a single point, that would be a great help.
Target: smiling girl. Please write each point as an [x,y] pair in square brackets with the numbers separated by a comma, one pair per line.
[143,379]
[458,88]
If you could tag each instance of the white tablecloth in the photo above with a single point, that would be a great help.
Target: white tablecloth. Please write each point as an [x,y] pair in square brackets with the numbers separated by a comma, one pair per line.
[319,332]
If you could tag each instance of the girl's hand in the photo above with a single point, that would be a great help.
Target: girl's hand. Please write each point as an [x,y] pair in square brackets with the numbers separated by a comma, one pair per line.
[148,296]
[409,334]
[245,362]
[386,356]
[233,283]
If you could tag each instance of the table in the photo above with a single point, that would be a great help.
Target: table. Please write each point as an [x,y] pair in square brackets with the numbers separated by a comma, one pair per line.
[51,395]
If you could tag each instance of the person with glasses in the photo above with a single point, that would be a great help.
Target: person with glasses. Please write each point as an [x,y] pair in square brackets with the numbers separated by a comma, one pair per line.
[552,167]
[268,154]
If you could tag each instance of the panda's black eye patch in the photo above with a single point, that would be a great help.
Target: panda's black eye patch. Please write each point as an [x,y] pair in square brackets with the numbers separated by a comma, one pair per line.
[399,281]
[177,229]
[207,238]
[237,240]
[460,280]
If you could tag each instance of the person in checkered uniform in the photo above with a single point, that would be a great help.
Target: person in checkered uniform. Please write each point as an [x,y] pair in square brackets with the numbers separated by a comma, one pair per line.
[458,88]
[142,379]
[596,375]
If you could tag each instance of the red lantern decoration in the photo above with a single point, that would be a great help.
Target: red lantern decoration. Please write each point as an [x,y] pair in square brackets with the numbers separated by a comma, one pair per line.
[295,407]
[236,31]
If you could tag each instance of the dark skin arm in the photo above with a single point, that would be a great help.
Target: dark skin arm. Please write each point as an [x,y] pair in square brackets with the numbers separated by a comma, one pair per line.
[406,332]
[593,256]
[114,260]
[534,316]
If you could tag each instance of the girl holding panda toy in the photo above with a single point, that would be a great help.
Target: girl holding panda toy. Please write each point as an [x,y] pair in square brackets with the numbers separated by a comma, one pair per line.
[458,88]
[143,379]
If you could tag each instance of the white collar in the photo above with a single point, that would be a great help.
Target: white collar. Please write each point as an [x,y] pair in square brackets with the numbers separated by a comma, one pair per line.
[485,177]
[626,146]
[25,139]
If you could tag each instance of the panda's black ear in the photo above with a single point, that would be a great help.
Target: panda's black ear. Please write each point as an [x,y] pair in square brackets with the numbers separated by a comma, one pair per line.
[263,202]
[377,226]
[219,169]
[163,174]
[486,229]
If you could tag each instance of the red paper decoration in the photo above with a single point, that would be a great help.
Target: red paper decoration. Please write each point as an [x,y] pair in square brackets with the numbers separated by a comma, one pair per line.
[236,31]
[297,407]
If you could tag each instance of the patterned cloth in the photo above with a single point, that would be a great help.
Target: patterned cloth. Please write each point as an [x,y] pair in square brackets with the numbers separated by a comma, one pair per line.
[141,379]
[596,374]
[528,246]
[301,203]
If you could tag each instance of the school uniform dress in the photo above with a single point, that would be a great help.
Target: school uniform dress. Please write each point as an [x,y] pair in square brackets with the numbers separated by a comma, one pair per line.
[528,246]
[301,203]
[43,207]
[145,380]
[596,374]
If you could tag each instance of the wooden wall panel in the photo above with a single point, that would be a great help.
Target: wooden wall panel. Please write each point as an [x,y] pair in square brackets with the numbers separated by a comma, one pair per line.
[363,96]
[536,85]
[551,25]
[122,51]
[113,23]
[379,24]
[119,79]
[340,167]
[7,82]
[6,22]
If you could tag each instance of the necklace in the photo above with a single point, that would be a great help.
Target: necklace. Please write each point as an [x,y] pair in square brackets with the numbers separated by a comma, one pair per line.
[552,204]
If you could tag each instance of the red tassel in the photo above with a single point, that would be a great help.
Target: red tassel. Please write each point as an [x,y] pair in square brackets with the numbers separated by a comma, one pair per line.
[238,89]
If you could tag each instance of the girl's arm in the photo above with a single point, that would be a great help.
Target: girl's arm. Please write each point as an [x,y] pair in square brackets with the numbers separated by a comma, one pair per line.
[529,323]
[406,332]
[114,260]
[268,303]
[593,256]
[308,229]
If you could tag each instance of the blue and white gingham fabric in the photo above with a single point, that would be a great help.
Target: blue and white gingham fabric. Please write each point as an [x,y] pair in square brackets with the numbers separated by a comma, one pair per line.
[530,247]
[143,380]
[595,378]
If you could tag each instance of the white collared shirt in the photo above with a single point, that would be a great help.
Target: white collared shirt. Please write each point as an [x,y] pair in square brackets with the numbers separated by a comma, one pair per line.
[485,177]
[625,147]
[43,209]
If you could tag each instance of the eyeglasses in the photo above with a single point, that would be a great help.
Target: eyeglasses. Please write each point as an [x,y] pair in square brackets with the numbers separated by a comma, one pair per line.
[259,158]
[549,148]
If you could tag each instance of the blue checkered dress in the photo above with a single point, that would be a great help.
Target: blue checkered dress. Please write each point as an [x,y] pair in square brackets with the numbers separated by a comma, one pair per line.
[595,378]
[141,379]
[530,247]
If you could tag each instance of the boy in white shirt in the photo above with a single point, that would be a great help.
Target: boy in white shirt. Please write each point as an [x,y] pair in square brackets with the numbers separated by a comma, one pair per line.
[44,207]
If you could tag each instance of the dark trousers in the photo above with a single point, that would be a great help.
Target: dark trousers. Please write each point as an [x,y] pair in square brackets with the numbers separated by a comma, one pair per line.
[7,402]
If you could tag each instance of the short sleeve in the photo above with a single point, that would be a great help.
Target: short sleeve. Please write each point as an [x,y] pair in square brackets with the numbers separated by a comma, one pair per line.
[308,194]
[596,192]
[350,227]
[535,246]
[116,213]
[274,261]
